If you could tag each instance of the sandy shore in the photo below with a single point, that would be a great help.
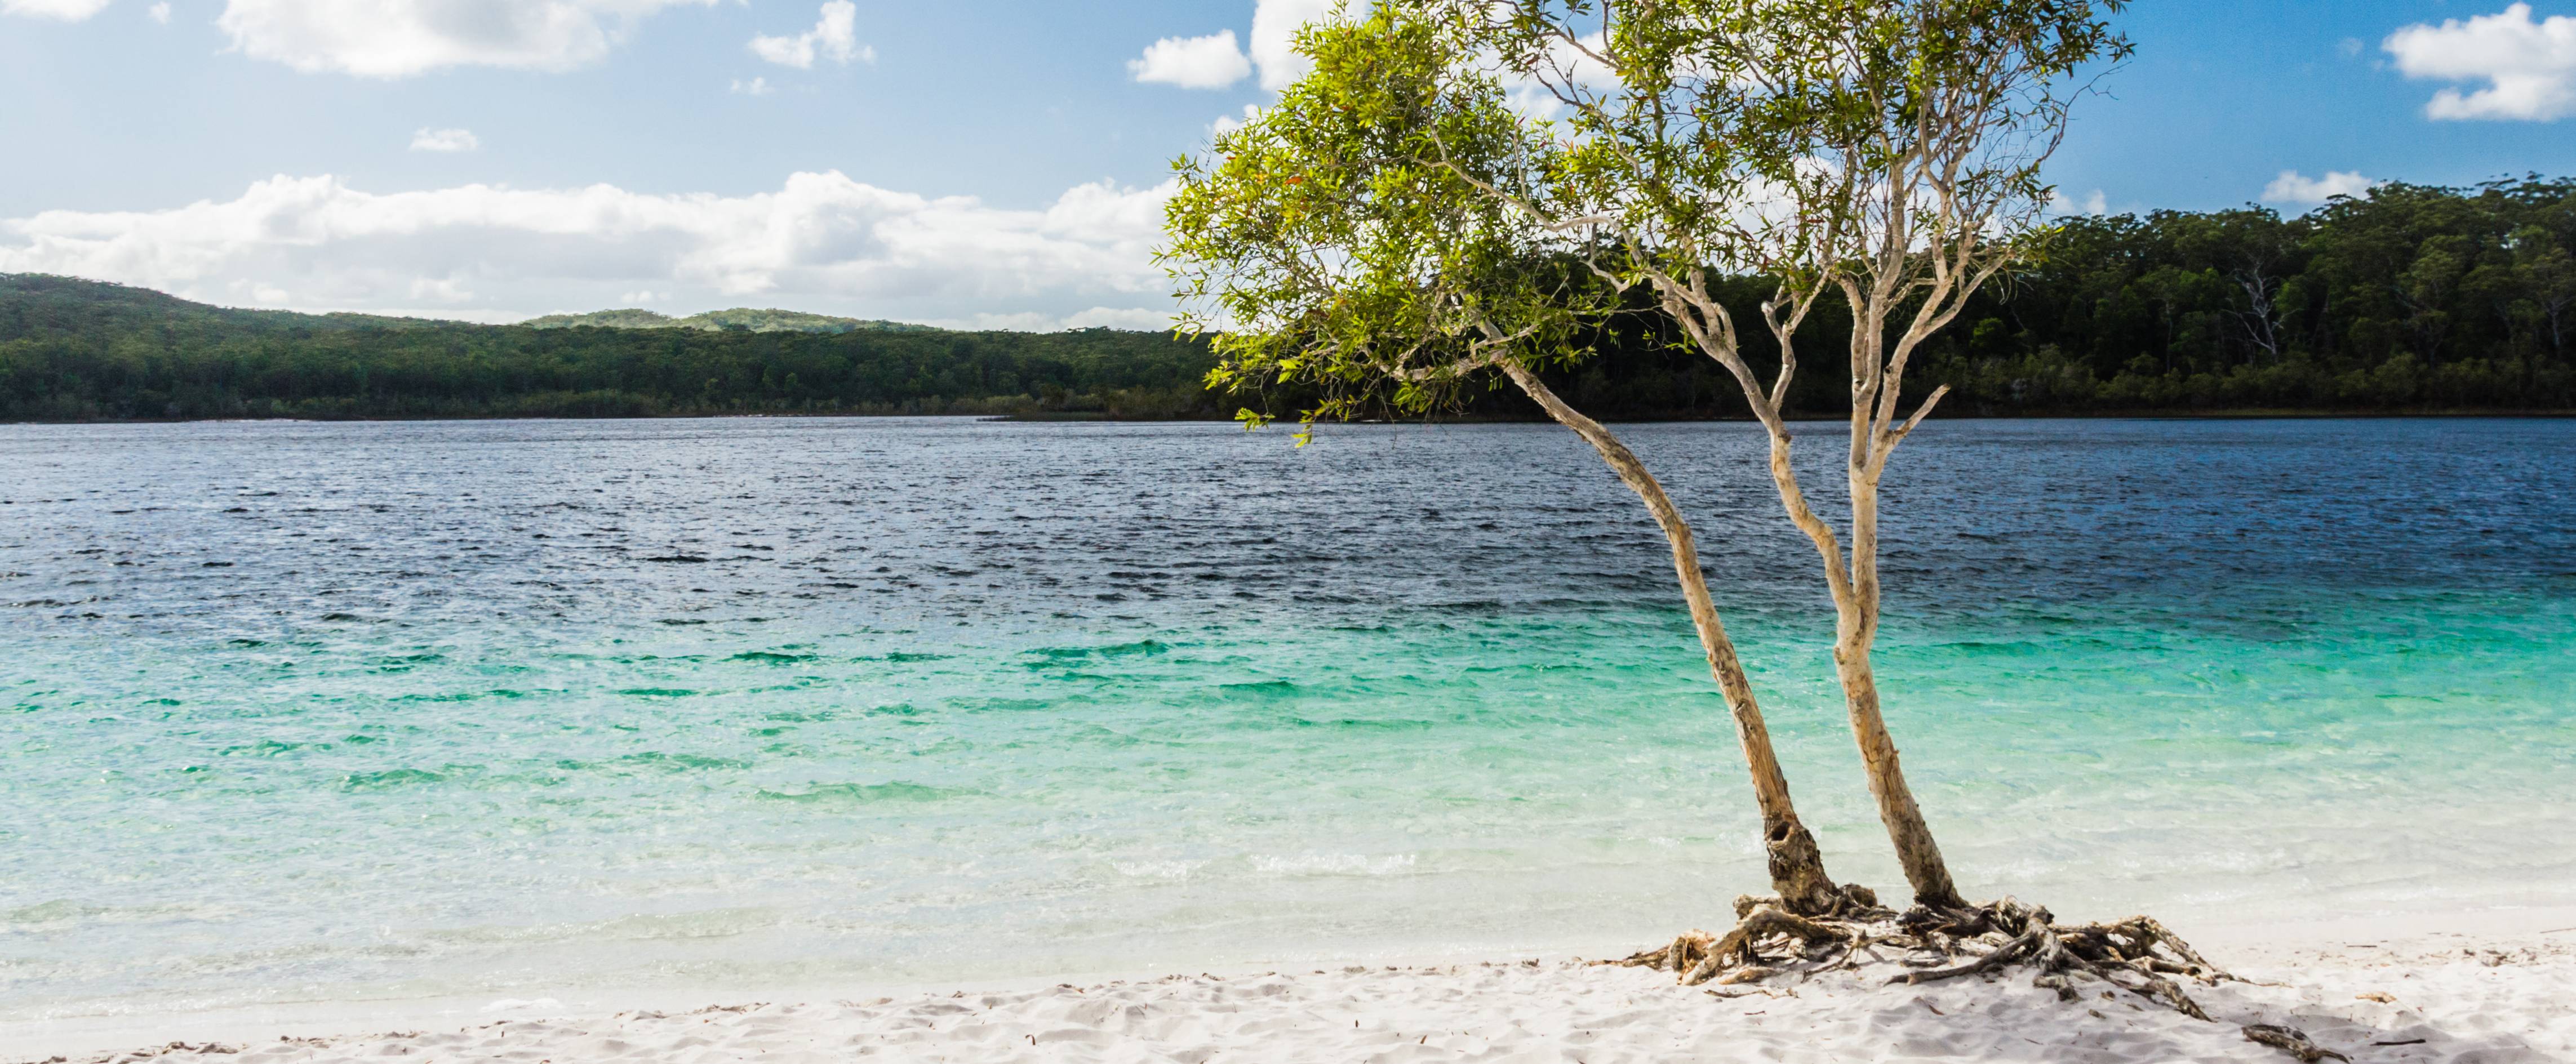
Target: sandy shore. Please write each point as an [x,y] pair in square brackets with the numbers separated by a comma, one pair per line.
[2463,998]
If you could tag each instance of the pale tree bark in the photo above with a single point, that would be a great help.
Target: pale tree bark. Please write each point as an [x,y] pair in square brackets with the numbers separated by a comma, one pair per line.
[1851,576]
[1797,867]
[1894,150]
[1878,375]
[1855,632]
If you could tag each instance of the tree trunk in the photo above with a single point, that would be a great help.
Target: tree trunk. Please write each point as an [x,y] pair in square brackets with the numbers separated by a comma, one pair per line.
[1856,630]
[1797,867]
[1924,869]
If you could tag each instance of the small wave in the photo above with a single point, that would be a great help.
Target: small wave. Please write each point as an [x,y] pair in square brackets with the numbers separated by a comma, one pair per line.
[1157,869]
[1334,864]
[65,914]
[658,759]
[768,657]
[1358,724]
[1139,648]
[865,793]
[637,927]
[388,779]
[269,748]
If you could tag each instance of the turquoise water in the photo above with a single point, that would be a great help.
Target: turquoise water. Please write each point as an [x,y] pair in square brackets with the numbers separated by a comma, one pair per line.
[327,712]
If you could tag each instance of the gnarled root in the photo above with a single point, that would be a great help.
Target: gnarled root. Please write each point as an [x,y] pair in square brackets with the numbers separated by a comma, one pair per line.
[2133,954]
[2136,954]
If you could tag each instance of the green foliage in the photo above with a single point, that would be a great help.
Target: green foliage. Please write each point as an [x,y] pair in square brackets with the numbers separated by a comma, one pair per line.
[1358,240]
[2411,297]
[81,350]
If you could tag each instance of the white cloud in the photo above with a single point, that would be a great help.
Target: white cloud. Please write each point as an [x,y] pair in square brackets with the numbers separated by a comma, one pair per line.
[401,38]
[1274,38]
[754,87]
[444,140]
[1225,124]
[821,242]
[2529,67]
[1214,62]
[160,12]
[1568,67]
[2295,188]
[835,36]
[66,10]
[1134,318]
[2094,204]
[1210,62]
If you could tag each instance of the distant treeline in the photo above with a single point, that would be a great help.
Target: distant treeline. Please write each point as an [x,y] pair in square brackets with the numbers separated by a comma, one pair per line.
[75,350]
[2413,298]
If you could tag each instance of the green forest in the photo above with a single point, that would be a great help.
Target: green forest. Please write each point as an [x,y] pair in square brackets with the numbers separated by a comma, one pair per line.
[73,350]
[2411,299]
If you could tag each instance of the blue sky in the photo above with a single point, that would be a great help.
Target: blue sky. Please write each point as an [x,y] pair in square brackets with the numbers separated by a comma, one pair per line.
[992,162]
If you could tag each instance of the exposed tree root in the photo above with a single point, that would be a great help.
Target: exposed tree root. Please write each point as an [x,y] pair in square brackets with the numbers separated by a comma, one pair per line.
[2137,954]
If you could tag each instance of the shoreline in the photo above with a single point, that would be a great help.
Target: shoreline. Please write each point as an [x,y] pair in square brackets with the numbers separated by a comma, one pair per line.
[2492,985]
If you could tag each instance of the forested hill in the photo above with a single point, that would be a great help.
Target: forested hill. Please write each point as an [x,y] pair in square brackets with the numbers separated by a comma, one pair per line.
[83,350]
[2413,298]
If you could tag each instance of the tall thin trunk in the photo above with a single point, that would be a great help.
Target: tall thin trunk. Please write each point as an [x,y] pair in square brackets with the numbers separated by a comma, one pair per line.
[1797,867]
[1855,593]
[1855,631]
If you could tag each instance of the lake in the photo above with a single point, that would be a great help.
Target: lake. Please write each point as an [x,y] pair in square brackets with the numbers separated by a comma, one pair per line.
[322,712]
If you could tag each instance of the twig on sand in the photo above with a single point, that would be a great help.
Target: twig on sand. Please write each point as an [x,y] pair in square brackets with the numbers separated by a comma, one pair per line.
[2293,1041]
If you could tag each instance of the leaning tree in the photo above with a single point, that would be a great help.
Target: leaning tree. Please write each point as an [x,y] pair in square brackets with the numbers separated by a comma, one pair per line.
[1371,239]
[1884,153]
[1408,219]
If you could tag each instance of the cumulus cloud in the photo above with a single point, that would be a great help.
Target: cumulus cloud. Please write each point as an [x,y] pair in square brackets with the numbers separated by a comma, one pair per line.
[835,36]
[1215,62]
[821,242]
[401,38]
[66,10]
[2095,203]
[2529,67]
[160,12]
[2298,189]
[1210,62]
[444,140]
[754,87]
[1225,124]
[1274,38]
[1132,318]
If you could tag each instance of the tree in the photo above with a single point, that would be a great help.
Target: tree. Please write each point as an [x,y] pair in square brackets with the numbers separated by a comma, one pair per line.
[1378,236]
[2425,290]
[1888,152]
[2254,249]
[1393,227]
[2548,277]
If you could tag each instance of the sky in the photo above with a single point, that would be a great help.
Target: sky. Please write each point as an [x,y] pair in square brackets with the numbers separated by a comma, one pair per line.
[976,163]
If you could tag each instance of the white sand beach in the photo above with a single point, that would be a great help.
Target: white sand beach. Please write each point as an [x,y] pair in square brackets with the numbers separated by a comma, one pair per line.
[2404,997]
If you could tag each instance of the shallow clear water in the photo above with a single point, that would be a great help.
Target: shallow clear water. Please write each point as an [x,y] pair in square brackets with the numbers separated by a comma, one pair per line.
[321,712]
